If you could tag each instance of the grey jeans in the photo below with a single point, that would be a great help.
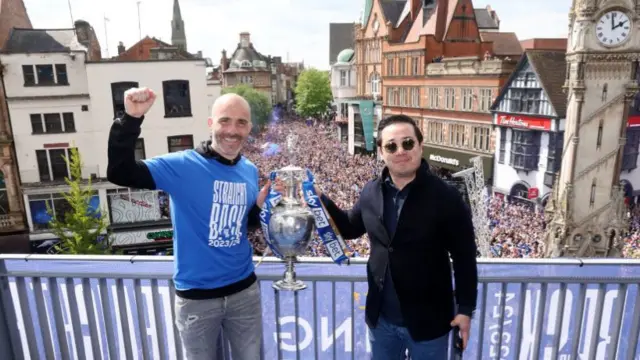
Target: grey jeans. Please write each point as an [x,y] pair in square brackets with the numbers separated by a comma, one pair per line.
[239,315]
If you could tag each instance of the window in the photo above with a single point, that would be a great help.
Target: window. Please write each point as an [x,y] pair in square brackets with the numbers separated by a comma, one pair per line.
[525,150]
[117,96]
[128,206]
[61,74]
[375,84]
[403,67]
[246,79]
[415,65]
[177,100]
[435,132]
[179,143]
[450,98]
[415,97]
[485,100]
[503,145]
[53,123]
[554,157]
[481,138]
[434,98]
[29,75]
[524,100]
[40,205]
[390,65]
[4,199]
[139,149]
[592,198]
[630,154]
[456,135]
[52,165]
[343,78]
[599,138]
[467,99]
[403,96]
[45,75]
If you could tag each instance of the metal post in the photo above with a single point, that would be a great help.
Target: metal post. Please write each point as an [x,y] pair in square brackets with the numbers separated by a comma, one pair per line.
[10,345]
[474,181]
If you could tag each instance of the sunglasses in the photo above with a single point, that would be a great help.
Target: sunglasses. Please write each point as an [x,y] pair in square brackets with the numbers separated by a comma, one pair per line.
[407,145]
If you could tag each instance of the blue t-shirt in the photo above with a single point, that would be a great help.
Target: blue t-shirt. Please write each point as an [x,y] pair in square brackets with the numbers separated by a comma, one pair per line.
[210,202]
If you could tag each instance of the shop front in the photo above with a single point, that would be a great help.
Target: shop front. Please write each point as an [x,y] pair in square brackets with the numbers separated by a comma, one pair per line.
[455,161]
[143,242]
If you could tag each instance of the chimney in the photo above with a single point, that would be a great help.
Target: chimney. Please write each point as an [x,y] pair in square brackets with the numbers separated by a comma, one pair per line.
[121,48]
[245,39]
[87,37]
[199,54]
[223,61]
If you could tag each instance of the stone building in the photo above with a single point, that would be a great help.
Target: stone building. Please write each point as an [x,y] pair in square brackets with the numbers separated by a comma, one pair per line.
[13,14]
[247,66]
[441,68]
[587,214]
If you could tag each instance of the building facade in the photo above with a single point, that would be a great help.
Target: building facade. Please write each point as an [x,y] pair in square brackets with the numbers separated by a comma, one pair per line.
[343,88]
[529,119]
[588,215]
[13,14]
[247,66]
[76,110]
[438,69]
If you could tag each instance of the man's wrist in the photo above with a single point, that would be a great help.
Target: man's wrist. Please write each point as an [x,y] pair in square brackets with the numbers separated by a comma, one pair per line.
[466,310]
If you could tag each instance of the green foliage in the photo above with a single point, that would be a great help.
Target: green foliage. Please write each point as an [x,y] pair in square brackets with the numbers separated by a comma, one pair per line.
[313,93]
[83,229]
[259,102]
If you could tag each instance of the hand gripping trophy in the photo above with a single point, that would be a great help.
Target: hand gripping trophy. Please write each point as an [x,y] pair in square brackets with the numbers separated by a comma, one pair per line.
[288,225]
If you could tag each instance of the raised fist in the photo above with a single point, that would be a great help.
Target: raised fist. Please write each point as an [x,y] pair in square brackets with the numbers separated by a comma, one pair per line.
[137,101]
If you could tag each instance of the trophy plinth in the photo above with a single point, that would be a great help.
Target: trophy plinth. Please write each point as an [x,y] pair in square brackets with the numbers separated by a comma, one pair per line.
[291,226]
[289,283]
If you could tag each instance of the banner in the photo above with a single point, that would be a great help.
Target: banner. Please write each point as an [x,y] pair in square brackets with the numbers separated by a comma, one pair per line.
[366,113]
[334,322]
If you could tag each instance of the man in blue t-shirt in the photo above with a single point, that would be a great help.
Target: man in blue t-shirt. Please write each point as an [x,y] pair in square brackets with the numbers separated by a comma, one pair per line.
[214,201]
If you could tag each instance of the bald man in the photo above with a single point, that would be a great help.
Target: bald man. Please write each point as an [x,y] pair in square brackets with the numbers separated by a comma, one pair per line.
[214,200]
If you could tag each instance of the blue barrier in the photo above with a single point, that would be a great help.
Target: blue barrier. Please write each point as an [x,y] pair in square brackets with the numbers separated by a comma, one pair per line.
[333,327]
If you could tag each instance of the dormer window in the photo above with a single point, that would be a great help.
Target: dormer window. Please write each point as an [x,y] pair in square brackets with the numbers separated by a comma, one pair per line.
[245,64]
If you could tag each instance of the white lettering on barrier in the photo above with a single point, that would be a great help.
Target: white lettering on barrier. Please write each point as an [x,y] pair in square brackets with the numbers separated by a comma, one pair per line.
[532,306]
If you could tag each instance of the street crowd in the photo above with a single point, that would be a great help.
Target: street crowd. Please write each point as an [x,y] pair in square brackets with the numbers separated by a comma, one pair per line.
[517,230]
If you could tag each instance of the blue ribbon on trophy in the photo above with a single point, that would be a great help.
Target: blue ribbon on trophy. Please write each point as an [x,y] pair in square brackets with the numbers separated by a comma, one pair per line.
[326,230]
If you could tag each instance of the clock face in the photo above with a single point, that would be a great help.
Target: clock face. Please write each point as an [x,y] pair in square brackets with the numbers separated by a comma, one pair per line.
[613,28]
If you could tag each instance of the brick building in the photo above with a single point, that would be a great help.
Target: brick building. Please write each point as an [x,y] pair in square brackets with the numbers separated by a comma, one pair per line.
[441,68]
[13,14]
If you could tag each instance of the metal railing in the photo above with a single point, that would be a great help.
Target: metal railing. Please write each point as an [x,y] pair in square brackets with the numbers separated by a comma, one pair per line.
[121,307]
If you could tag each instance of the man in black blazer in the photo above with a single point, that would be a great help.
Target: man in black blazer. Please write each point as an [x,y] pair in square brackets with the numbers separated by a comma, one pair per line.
[416,223]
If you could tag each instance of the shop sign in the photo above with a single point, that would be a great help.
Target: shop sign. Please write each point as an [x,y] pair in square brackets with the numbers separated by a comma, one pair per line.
[160,235]
[444,160]
[633,121]
[525,122]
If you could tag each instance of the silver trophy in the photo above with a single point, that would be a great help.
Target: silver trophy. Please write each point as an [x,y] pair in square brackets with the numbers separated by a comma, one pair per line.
[292,224]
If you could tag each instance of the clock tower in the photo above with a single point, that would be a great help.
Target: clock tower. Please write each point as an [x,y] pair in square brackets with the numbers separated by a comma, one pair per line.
[586,216]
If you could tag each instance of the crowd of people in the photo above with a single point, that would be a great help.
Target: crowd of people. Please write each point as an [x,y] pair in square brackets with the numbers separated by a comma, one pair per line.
[517,230]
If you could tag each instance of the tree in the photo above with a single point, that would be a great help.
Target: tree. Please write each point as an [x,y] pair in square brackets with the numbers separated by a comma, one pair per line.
[83,230]
[259,102]
[313,93]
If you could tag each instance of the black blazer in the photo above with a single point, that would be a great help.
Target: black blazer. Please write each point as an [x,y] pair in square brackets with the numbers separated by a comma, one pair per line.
[434,225]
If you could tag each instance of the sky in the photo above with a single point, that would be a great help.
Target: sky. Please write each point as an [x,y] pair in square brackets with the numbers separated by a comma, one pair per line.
[297,30]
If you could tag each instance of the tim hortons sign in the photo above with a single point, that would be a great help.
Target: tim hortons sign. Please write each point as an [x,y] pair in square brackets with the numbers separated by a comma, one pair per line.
[525,122]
